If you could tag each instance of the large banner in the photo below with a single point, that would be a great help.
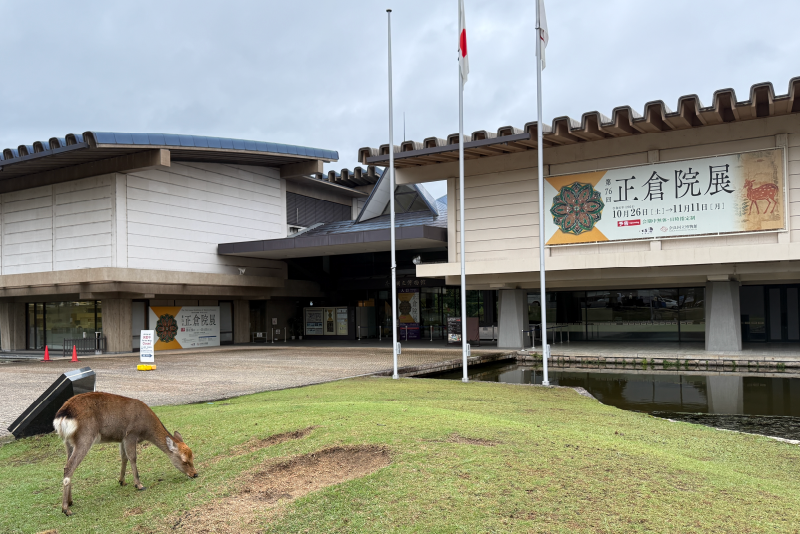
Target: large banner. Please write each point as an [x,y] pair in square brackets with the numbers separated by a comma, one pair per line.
[183,327]
[723,194]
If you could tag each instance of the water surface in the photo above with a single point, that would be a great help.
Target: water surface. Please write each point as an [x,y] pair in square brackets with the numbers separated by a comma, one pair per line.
[756,403]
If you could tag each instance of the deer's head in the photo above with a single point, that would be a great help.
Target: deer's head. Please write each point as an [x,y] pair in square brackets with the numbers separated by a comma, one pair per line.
[181,455]
[748,183]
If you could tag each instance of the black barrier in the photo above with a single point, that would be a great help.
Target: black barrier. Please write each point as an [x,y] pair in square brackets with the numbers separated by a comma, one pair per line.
[38,417]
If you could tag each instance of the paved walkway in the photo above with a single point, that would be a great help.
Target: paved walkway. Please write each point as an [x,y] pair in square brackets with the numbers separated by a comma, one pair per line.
[203,375]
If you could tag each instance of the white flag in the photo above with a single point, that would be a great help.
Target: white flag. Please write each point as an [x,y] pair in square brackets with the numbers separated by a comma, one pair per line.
[463,59]
[543,36]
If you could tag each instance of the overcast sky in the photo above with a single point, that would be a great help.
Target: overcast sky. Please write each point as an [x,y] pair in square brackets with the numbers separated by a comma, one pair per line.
[314,73]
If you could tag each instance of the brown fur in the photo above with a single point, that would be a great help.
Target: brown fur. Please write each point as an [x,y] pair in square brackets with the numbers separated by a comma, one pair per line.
[105,418]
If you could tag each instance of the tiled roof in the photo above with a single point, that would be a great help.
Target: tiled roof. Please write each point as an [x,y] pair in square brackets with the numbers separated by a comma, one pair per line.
[99,139]
[593,125]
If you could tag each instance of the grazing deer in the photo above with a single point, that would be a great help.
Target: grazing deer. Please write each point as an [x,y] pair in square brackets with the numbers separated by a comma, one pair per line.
[92,418]
[764,192]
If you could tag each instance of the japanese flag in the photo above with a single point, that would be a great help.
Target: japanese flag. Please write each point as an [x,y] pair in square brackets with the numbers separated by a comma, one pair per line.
[463,59]
[543,36]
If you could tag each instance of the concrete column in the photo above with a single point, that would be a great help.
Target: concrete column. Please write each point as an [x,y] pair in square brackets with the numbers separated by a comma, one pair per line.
[117,324]
[723,317]
[513,318]
[12,326]
[241,321]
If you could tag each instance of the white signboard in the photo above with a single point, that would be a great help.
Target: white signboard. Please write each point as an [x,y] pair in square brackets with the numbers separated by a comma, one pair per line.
[724,194]
[183,327]
[147,346]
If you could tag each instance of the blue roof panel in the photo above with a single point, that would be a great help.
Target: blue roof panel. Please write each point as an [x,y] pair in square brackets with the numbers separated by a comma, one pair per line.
[171,140]
[186,140]
[140,139]
[124,138]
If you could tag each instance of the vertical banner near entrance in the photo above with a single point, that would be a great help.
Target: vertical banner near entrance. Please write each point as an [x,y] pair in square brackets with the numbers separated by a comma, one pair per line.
[408,316]
[182,327]
[147,346]
[720,195]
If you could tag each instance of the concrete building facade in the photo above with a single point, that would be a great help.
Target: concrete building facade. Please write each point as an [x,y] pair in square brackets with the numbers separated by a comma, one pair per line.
[742,284]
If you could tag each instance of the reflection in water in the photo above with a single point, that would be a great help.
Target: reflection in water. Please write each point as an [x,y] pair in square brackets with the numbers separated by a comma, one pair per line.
[676,396]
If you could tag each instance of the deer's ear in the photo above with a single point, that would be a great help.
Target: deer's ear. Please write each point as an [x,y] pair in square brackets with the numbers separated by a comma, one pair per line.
[171,445]
[178,436]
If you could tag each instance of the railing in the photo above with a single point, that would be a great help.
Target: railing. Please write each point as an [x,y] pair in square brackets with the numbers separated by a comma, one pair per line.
[84,345]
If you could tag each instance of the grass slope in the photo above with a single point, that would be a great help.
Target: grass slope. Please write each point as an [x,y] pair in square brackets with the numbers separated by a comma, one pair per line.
[560,463]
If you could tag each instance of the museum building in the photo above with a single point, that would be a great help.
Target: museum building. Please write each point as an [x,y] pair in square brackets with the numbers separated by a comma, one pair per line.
[665,226]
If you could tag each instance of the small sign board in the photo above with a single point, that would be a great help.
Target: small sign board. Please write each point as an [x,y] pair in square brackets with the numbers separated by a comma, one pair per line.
[454,330]
[274,321]
[147,346]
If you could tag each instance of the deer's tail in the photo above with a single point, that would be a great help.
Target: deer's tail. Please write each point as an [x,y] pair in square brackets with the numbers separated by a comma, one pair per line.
[65,427]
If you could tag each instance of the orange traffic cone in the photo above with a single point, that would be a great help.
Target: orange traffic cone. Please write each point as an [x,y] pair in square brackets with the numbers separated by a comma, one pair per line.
[74,354]
[46,354]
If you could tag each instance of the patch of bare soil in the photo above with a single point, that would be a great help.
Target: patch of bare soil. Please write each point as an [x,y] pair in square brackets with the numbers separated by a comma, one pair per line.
[265,488]
[254,444]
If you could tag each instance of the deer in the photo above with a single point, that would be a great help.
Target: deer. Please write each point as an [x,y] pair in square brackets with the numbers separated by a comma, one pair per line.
[91,418]
[764,192]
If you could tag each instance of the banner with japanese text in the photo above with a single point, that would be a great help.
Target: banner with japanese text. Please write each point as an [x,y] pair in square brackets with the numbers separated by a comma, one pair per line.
[408,316]
[183,327]
[723,194]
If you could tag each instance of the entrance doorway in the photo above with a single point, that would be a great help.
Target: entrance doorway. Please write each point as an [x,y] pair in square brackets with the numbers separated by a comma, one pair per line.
[770,313]
[783,313]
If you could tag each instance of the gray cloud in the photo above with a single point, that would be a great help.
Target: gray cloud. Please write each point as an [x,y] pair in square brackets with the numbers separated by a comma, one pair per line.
[314,73]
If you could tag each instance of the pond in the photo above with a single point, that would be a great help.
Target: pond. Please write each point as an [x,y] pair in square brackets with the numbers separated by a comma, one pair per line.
[756,403]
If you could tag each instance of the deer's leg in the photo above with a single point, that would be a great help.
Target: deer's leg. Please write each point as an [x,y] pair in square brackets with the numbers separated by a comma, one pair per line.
[130,452]
[78,454]
[70,449]
[124,458]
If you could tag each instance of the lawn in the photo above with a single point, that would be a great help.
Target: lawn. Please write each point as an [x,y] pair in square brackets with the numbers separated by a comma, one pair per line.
[416,455]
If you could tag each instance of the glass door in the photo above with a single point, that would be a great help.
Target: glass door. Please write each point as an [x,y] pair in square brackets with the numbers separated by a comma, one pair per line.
[783,313]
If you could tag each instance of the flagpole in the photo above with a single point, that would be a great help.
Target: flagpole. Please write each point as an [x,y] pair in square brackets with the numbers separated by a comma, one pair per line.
[540,169]
[464,346]
[391,206]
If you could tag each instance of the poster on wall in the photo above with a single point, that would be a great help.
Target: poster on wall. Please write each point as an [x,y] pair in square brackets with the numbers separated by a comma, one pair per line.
[330,321]
[313,321]
[724,194]
[183,327]
[408,313]
[341,321]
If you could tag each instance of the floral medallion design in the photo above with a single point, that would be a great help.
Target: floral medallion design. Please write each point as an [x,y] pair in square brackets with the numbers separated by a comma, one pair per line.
[166,328]
[577,208]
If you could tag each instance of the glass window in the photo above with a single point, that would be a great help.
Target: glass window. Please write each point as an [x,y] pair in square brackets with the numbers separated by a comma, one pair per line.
[67,321]
[226,322]
[692,313]
[752,311]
